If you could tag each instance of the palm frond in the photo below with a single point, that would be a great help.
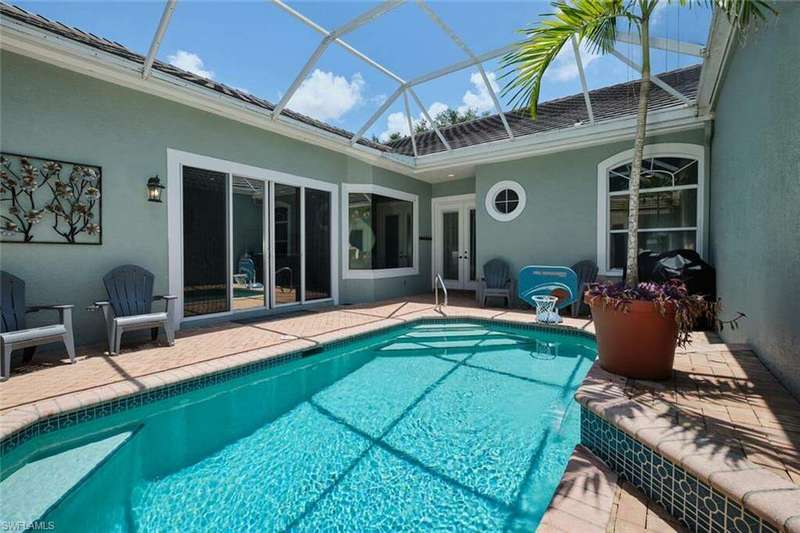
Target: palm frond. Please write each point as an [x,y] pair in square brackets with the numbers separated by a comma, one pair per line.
[592,20]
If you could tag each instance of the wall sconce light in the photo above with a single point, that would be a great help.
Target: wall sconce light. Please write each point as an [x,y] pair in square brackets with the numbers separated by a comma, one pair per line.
[154,189]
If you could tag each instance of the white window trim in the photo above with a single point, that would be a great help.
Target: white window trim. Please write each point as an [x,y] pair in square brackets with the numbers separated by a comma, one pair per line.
[176,160]
[496,188]
[693,151]
[347,272]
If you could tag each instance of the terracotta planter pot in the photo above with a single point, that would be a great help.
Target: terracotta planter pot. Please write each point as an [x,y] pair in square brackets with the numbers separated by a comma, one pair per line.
[638,343]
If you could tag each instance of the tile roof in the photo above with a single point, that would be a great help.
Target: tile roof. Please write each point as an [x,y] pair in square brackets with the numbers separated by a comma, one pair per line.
[607,103]
[611,102]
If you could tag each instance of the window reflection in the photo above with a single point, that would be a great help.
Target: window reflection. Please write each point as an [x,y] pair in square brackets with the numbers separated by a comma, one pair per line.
[287,244]
[318,244]
[381,232]
[248,242]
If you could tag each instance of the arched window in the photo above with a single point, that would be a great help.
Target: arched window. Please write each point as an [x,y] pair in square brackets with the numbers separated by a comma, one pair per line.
[670,202]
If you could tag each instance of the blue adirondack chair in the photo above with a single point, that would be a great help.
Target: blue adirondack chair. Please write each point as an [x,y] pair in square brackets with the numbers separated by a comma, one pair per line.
[587,274]
[129,306]
[16,335]
[557,281]
[496,282]
[247,267]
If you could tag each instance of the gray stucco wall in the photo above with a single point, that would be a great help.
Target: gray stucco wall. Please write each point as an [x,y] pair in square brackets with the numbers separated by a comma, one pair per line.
[453,188]
[59,114]
[559,223]
[755,194]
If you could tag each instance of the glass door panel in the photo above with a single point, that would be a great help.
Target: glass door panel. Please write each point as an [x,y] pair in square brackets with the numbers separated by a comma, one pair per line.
[286,232]
[247,261]
[205,242]
[451,260]
[455,250]
[472,248]
[317,244]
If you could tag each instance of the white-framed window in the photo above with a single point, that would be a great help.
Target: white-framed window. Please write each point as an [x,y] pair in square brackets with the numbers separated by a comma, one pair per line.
[671,202]
[505,200]
[380,232]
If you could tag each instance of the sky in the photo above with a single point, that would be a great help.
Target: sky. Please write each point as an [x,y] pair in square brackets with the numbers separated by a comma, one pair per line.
[257,47]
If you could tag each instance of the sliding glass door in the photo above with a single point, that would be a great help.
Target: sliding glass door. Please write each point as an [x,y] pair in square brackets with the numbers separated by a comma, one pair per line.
[205,242]
[249,244]
[317,244]
[253,243]
[287,274]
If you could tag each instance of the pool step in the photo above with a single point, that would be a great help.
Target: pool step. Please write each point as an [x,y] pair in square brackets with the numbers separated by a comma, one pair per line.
[27,494]
[449,326]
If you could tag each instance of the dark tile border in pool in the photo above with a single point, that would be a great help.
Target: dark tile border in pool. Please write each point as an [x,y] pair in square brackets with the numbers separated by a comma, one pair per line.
[694,503]
[122,403]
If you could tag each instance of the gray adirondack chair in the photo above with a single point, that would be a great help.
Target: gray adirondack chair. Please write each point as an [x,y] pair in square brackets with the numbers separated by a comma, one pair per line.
[496,282]
[587,274]
[130,303]
[15,335]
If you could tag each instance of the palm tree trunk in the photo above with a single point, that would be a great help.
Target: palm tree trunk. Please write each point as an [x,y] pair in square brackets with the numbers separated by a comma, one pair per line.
[632,267]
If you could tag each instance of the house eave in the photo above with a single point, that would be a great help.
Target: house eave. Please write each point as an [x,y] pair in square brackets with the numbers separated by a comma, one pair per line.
[680,118]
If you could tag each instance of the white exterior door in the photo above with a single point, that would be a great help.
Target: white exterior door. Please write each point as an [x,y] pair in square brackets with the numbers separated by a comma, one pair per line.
[454,241]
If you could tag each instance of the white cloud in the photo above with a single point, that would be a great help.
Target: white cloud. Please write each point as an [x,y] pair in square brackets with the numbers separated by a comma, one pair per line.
[479,101]
[326,96]
[436,108]
[397,122]
[564,68]
[190,62]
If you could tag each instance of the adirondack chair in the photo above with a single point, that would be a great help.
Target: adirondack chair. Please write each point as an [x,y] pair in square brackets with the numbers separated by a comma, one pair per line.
[129,306]
[496,282]
[587,274]
[15,335]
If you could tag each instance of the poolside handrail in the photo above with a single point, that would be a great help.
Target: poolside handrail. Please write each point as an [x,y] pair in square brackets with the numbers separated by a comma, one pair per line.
[436,282]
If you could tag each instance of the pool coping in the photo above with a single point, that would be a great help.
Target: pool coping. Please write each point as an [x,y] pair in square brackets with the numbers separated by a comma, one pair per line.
[584,498]
[700,453]
[20,424]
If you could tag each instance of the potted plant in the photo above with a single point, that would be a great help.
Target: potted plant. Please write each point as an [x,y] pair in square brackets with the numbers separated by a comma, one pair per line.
[638,328]
[638,325]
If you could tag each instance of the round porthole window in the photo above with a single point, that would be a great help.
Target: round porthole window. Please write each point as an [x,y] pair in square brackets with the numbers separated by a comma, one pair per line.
[505,200]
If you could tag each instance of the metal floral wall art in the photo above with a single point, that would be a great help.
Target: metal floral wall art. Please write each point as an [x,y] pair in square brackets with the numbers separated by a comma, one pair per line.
[47,201]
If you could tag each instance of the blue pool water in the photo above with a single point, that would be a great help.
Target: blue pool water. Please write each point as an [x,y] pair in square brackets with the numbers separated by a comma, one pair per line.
[451,426]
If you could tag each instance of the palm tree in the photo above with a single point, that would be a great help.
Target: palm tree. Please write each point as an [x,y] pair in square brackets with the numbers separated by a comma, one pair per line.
[595,21]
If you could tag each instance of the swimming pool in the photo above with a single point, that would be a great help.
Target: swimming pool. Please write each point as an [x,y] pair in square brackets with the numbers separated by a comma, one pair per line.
[450,425]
